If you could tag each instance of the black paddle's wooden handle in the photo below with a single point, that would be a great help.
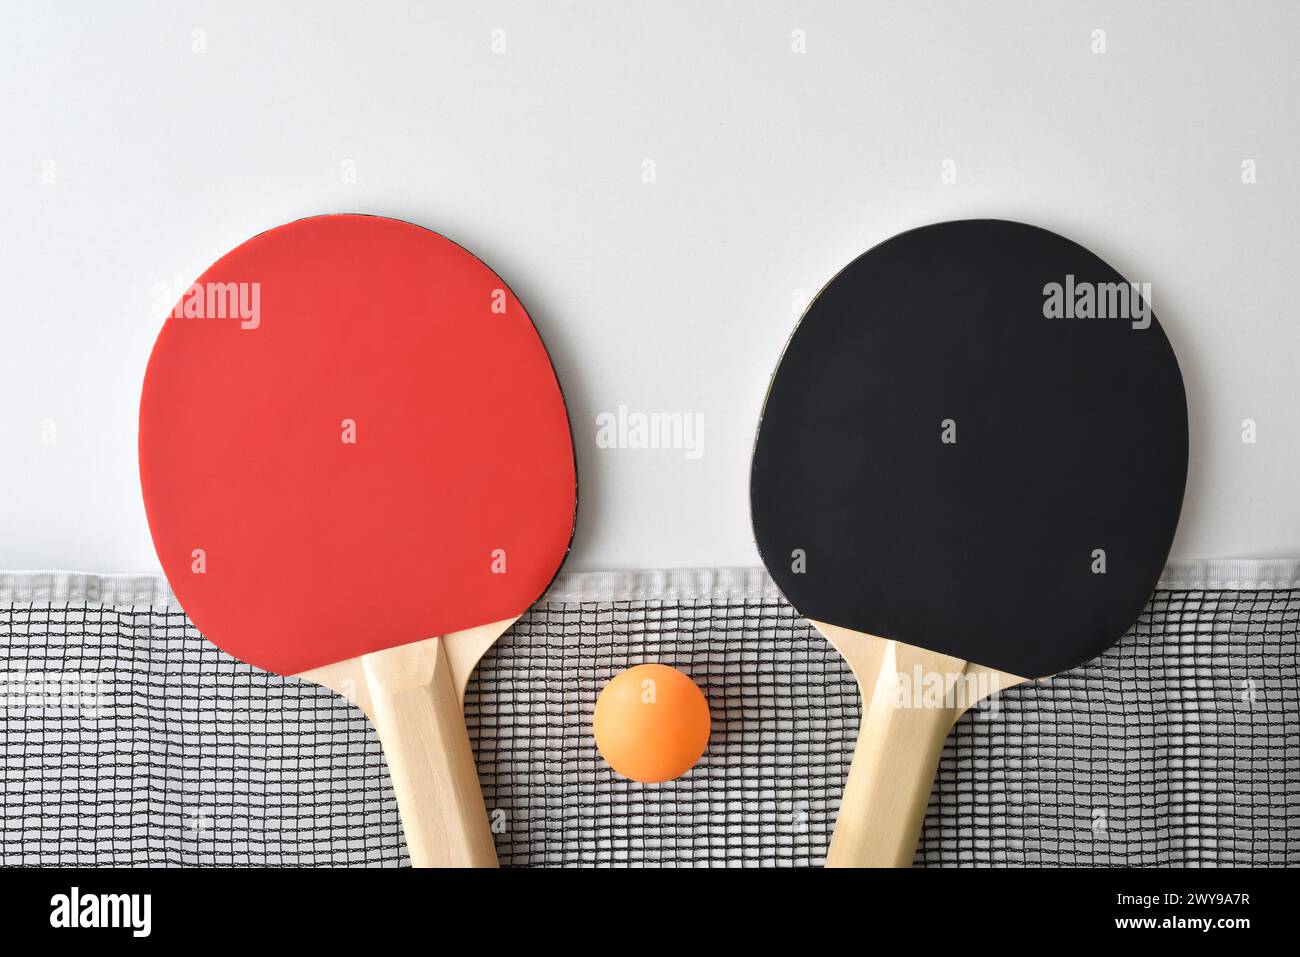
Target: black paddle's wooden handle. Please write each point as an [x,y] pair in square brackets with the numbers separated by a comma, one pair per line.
[916,698]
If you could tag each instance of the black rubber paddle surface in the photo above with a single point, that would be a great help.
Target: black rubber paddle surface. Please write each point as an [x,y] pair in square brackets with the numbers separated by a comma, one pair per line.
[940,463]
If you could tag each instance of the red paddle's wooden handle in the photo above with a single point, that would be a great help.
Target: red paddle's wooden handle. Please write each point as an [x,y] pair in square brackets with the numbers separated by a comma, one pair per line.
[416,709]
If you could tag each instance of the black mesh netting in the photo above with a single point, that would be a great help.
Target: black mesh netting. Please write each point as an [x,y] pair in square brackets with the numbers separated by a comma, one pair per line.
[128,740]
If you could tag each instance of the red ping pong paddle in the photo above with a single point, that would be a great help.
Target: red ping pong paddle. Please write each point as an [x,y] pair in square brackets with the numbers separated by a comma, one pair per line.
[968,474]
[357,468]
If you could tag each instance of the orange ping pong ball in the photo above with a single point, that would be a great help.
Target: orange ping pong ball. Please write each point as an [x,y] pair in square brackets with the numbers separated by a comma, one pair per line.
[651,723]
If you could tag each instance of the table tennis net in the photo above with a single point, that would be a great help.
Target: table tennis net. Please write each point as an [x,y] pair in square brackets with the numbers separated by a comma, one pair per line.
[126,739]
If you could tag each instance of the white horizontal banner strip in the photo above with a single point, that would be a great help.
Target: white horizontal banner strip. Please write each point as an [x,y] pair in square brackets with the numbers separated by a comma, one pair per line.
[1232,574]
[678,584]
[84,588]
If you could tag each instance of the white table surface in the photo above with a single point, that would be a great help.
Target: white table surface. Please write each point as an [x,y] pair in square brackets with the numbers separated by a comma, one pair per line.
[130,159]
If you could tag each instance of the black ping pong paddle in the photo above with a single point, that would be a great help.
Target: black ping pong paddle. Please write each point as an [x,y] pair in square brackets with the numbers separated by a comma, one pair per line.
[968,474]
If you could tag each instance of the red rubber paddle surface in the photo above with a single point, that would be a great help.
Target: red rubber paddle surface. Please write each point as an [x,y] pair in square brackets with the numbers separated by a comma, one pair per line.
[290,547]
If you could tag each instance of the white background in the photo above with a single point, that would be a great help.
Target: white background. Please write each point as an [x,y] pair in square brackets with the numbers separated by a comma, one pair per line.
[774,169]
